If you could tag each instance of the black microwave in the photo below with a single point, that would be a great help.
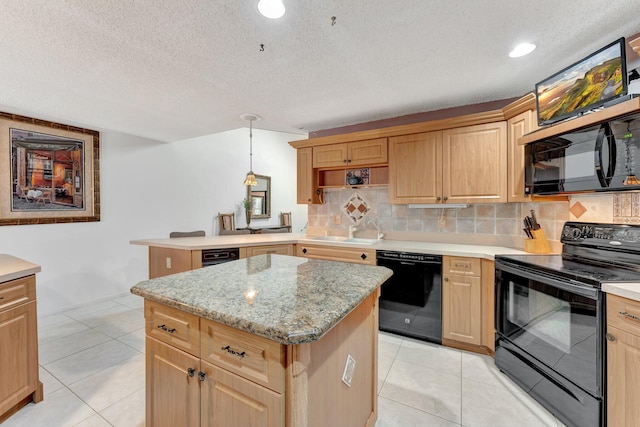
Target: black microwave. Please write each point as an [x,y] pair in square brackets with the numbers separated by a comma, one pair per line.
[604,157]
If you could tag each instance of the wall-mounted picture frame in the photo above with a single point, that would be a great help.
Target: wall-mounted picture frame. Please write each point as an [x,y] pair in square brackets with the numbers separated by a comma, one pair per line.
[49,172]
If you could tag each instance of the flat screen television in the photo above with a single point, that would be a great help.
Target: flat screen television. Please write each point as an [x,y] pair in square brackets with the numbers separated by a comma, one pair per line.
[583,86]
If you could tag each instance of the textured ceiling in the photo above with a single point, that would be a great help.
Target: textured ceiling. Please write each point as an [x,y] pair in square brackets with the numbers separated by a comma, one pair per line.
[171,70]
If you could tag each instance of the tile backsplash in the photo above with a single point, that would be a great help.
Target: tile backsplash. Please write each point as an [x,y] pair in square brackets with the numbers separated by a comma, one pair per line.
[500,219]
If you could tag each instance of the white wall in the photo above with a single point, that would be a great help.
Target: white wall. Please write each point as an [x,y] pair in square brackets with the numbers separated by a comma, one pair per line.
[149,188]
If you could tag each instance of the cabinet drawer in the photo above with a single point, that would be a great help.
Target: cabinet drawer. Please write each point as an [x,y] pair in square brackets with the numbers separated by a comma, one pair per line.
[270,249]
[334,253]
[624,314]
[16,292]
[460,265]
[255,358]
[175,327]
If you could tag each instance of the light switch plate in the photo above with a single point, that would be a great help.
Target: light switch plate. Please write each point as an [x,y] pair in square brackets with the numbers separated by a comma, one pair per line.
[349,369]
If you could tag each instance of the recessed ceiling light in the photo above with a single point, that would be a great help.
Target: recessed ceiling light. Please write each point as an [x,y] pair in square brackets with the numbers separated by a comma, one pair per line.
[272,9]
[522,49]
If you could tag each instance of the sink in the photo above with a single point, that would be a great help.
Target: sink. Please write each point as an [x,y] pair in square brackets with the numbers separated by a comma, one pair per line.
[341,239]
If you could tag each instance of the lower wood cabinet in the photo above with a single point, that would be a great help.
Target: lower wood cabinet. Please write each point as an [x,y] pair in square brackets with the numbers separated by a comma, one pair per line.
[335,253]
[623,361]
[19,382]
[166,261]
[467,303]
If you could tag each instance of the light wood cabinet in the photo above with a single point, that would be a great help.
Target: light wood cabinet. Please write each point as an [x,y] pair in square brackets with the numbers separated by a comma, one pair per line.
[19,379]
[516,127]
[166,261]
[234,378]
[623,361]
[249,251]
[474,162]
[307,187]
[462,300]
[462,165]
[415,168]
[359,153]
[335,253]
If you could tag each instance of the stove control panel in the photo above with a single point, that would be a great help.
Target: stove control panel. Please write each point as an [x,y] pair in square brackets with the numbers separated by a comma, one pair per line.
[576,232]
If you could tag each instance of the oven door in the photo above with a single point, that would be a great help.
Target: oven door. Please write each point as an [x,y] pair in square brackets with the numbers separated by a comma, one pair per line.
[557,321]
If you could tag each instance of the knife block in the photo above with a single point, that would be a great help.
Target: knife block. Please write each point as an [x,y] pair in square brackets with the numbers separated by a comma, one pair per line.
[537,245]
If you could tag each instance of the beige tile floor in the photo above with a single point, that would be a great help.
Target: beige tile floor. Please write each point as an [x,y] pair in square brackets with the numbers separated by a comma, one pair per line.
[92,368]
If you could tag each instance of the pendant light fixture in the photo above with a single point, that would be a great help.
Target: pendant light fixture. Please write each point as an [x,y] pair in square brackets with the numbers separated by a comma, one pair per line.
[272,9]
[250,180]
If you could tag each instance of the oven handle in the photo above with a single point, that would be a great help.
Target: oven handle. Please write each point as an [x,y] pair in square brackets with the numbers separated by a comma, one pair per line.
[544,277]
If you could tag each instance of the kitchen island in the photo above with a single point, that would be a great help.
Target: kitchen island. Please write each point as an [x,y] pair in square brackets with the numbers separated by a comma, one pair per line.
[270,340]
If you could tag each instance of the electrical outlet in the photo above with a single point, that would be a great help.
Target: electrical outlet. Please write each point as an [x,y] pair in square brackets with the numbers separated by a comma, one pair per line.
[168,262]
[337,219]
[349,369]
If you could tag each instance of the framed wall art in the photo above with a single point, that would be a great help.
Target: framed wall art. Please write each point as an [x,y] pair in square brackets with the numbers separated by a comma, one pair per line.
[49,172]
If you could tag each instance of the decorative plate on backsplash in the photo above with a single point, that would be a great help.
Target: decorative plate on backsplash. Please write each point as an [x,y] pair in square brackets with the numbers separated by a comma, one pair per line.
[356,208]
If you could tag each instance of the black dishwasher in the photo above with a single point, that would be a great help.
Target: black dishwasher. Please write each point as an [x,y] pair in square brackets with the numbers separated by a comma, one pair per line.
[411,300]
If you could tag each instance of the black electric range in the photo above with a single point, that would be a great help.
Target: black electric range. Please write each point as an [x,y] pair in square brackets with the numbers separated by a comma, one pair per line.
[550,317]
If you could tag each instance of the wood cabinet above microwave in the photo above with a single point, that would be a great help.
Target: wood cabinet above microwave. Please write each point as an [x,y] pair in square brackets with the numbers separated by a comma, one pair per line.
[360,153]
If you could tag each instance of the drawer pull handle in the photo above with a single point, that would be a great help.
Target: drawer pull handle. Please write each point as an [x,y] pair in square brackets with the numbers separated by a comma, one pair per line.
[164,328]
[629,315]
[202,376]
[191,372]
[233,352]
[461,265]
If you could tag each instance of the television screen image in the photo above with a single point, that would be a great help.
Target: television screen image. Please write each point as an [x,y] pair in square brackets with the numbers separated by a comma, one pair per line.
[585,85]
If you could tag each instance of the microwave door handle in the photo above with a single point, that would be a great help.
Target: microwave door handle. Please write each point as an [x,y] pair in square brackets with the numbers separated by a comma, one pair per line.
[598,158]
[605,132]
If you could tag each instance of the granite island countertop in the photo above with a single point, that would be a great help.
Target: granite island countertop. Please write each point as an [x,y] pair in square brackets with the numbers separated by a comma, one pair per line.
[287,299]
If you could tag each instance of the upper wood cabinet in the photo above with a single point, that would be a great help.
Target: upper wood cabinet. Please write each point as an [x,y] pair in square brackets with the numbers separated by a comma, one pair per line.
[306,179]
[360,153]
[415,168]
[474,162]
[462,165]
[517,126]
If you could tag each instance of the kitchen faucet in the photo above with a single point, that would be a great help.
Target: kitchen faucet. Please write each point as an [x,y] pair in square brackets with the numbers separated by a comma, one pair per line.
[380,233]
[352,229]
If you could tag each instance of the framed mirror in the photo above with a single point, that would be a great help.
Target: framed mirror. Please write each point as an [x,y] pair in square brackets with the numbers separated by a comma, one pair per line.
[260,197]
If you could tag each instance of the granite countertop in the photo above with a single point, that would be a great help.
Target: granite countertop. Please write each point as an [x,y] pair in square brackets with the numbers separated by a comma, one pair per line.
[14,268]
[214,242]
[287,299]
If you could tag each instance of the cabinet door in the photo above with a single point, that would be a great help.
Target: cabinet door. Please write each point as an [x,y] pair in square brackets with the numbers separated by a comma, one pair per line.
[370,152]
[475,164]
[172,394]
[18,355]
[415,168]
[516,127]
[326,156]
[228,400]
[306,189]
[461,309]
[623,378]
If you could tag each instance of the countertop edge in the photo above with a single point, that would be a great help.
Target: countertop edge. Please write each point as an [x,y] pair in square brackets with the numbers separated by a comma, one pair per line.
[625,290]
[12,268]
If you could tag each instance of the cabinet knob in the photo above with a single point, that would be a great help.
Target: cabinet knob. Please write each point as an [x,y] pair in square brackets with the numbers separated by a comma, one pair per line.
[363,256]
[610,337]
[445,198]
[446,279]
[304,251]
[344,161]
[349,161]
[202,376]
[438,198]
[191,372]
